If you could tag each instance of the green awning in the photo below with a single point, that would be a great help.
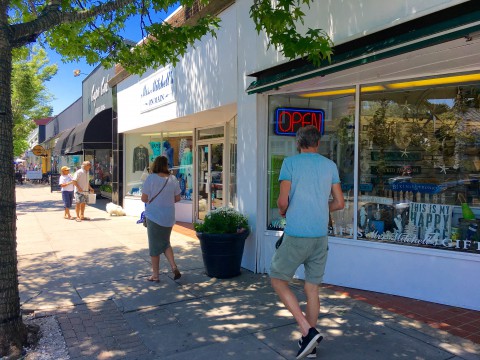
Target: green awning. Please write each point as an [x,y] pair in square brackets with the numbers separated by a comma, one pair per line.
[447,25]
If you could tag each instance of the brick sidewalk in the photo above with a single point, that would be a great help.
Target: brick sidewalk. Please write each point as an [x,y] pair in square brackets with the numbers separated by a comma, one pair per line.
[99,331]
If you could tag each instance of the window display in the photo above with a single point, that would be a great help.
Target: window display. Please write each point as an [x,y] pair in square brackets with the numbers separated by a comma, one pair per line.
[334,116]
[144,148]
[419,164]
[418,160]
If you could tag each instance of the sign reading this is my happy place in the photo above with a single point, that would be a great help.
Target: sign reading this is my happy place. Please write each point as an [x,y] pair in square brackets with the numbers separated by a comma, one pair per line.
[431,218]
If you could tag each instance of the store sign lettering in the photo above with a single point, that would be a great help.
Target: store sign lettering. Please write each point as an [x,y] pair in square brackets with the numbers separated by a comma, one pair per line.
[97,92]
[417,187]
[395,156]
[467,245]
[430,239]
[157,90]
[396,170]
[288,120]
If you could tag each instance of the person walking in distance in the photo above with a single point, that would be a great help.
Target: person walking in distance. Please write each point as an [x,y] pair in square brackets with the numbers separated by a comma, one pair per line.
[82,187]
[160,192]
[307,181]
[66,183]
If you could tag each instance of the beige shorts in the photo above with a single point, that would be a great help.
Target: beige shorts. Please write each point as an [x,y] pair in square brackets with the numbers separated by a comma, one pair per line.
[295,251]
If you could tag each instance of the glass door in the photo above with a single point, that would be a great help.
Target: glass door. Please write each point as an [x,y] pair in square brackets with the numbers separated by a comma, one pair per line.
[210,177]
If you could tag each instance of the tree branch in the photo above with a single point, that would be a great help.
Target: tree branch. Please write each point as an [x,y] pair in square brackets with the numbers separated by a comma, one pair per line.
[52,15]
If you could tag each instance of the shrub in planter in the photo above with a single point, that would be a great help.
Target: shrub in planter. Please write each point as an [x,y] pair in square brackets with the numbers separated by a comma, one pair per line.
[223,220]
[222,238]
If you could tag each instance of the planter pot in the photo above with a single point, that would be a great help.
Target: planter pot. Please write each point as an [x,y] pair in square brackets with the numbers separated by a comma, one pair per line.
[222,253]
[106,194]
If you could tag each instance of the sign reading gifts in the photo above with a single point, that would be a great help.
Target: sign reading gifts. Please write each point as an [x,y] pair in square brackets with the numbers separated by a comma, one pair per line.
[431,219]
[288,120]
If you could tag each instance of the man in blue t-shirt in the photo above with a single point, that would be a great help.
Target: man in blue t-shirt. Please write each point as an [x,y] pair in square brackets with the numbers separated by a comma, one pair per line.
[307,181]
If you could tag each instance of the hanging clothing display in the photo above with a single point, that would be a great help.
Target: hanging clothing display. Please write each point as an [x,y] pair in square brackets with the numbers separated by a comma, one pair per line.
[156,149]
[168,153]
[140,158]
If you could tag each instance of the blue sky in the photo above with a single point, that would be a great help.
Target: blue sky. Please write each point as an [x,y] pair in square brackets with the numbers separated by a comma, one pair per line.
[65,87]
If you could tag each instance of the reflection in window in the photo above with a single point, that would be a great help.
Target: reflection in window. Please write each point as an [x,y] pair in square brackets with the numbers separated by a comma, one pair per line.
[419,166]
[337,144]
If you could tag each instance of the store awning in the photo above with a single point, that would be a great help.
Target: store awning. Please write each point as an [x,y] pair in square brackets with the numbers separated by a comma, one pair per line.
[452,23]
[62,142]
[93,134]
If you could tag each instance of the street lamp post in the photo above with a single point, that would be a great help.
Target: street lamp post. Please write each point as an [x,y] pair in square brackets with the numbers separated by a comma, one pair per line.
[78,72]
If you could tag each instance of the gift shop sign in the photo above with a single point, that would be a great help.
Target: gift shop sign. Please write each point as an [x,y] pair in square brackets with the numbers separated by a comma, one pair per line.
[157,90]
[431,219]
[288,120]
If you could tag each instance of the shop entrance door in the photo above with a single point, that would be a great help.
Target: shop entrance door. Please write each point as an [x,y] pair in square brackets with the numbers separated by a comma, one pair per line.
[210,176]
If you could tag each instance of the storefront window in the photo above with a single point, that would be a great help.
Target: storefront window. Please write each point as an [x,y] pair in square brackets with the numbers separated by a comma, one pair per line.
[232,132]
[337,144]
[419,164]
[142,149]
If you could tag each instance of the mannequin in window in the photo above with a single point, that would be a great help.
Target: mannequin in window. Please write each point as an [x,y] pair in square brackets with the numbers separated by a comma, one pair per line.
[168,153]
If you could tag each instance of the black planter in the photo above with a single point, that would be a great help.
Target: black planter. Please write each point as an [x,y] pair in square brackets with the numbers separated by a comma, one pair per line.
[222,253]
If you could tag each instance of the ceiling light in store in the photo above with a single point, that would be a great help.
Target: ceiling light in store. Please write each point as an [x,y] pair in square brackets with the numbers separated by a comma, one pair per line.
[344,91]
[170,134]
[372,88]
[435,81]
[331,92]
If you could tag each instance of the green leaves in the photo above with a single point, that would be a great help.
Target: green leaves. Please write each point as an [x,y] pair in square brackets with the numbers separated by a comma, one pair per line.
[97,38]
[223,220]
[30,97]
[281,23]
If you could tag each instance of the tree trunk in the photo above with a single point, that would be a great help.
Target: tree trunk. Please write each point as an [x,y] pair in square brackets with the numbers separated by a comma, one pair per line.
[13,333]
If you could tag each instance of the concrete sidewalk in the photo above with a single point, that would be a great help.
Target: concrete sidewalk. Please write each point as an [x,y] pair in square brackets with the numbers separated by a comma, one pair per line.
[92,276]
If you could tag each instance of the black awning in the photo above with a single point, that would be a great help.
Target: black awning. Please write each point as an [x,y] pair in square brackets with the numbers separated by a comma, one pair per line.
[62,142]
[93,134]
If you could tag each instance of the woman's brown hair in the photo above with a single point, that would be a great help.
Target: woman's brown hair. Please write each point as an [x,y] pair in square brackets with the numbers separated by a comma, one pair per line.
[160,165]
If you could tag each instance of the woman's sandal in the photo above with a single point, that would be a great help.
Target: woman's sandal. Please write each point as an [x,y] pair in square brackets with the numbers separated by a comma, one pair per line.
[176,274]
[153,279]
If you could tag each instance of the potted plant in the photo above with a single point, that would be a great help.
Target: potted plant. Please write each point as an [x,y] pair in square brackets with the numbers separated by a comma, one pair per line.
[222,238]
[106,191]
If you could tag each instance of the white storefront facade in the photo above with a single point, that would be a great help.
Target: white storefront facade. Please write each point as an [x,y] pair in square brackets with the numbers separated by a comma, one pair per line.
[399,109]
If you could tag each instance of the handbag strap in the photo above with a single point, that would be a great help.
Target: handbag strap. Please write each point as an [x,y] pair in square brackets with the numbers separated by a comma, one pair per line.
[160,189]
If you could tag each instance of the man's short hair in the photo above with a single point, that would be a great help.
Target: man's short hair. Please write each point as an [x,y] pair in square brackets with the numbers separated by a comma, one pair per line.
[307,136]
[85,163]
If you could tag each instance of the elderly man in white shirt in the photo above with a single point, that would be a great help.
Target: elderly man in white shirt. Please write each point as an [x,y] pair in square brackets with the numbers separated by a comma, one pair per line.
[82,187]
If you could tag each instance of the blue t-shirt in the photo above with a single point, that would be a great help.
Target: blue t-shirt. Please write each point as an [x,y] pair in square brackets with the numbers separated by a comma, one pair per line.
[162,209]
[312,176]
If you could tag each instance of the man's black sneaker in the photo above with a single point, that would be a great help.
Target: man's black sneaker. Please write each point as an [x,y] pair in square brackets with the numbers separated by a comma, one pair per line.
[313,354]
[309,342]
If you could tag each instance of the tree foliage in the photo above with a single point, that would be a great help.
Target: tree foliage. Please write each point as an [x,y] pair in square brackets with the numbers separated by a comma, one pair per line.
[280,19]
[30,97]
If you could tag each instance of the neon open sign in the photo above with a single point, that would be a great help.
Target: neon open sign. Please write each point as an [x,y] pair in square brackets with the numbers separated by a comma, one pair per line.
[289,120]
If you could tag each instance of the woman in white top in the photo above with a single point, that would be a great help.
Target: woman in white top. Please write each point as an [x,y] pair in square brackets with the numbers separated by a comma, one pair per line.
[160,192]
[66,183]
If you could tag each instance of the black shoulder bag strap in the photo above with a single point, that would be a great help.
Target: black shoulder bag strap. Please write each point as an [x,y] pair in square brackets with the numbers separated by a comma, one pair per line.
[163,187]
